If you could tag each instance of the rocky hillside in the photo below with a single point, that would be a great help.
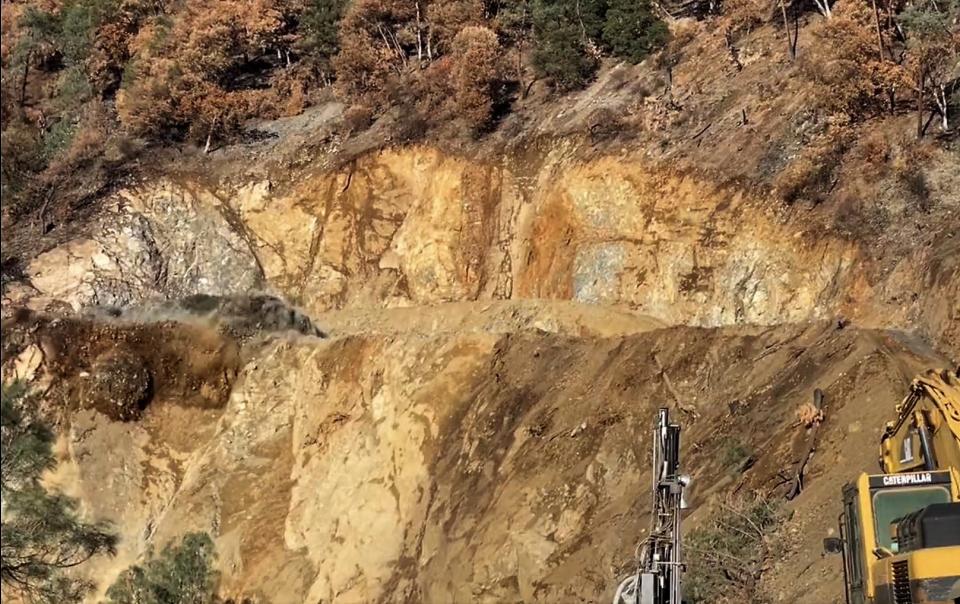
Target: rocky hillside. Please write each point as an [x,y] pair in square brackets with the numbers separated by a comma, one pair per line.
[495,463]
[415,226]
[498,335]
[378,367]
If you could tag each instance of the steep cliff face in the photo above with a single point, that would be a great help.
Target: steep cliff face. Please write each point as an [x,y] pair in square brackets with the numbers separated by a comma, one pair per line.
[481,466]
[500,334]
[425,228]
[415,226]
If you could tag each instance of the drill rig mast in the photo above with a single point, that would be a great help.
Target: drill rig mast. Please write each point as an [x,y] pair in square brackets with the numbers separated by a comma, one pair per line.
[657,580]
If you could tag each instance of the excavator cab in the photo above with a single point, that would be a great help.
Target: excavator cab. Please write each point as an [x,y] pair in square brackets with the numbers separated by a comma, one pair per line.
[900,538]
[900,531]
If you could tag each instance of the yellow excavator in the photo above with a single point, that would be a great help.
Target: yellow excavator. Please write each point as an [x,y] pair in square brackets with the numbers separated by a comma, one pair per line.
[900,530]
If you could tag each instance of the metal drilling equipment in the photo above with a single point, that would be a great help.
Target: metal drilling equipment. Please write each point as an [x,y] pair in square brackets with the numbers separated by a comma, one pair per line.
[660,560]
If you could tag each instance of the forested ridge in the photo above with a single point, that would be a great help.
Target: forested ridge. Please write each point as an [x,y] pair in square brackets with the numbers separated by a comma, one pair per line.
[88,84]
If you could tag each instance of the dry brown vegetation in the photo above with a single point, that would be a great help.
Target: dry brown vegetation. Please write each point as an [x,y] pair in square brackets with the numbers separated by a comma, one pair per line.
[87,84]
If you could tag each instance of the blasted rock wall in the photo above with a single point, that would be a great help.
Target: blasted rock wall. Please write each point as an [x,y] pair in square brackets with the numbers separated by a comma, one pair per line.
[415,226]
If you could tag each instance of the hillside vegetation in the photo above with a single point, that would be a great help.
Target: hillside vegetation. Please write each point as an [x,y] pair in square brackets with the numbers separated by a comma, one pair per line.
[87,84]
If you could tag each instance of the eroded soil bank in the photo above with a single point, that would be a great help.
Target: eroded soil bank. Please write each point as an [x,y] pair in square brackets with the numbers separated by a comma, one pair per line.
[453,401]
[481,466]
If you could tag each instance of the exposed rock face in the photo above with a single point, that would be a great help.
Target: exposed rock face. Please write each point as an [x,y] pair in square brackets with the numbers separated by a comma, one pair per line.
[203,252]
[418,227]
[415,226]
[165,241]
[121,265]
[481,467]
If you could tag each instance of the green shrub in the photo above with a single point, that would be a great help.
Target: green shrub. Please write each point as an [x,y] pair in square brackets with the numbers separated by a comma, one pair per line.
[73,90]
[735,452]
[632,31]
[181,574]
[58,138]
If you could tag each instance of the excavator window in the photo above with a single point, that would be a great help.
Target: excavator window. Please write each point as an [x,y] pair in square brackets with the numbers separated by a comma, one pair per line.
[891,505]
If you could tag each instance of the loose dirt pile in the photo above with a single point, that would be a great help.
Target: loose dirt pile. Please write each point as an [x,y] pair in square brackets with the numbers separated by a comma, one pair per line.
[119,369]
[119,361]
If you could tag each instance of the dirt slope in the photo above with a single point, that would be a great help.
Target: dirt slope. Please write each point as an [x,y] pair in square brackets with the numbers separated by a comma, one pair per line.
[409,465]
[475,426]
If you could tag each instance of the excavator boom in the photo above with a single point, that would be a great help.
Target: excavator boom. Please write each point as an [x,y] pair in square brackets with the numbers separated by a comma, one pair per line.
[926,433]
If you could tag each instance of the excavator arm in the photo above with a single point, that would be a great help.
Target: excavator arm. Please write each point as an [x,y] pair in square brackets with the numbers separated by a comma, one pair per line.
[926,432]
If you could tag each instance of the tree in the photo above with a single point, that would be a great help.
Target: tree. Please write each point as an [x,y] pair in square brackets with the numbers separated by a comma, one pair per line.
[69,34]
[476,52]
[185,74]
[447,17]
[565,34]
[79,21]
[43,534]
[632,30]
[515,24]
[36,43]
[824,7]
[372,48]
[933,57]
[318,38]
[792,33]
[849,76]
[181,574]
